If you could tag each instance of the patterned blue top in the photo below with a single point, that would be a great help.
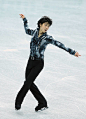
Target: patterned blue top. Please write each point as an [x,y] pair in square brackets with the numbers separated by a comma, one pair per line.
[38,45]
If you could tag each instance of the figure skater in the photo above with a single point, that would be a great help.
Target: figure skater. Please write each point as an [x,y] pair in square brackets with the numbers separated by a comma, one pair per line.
[40,39]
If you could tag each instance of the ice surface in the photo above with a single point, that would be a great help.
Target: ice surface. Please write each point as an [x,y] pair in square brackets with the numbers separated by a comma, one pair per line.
[62,80]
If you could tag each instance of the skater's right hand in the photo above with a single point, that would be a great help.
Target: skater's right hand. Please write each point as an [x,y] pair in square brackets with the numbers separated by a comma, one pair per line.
[22,16]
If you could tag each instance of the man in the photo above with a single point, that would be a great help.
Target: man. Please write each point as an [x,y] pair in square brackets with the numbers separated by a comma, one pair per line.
[40,39]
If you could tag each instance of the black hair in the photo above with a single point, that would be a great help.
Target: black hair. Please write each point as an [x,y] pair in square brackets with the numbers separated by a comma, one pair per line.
[43,20]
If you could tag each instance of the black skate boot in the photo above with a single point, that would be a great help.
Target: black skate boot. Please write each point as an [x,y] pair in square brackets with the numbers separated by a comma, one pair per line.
[17,106]
[41,107]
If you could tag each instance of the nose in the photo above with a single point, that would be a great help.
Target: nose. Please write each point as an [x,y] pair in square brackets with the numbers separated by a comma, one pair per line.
[47,27]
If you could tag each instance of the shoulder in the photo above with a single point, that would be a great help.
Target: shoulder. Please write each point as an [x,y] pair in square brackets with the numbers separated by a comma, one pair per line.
[49,38]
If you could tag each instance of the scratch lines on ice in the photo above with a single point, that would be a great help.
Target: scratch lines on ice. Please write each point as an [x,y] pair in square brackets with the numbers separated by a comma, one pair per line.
[68,96]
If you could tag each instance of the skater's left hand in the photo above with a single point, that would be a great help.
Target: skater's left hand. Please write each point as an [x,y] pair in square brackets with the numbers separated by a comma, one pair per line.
[77,54]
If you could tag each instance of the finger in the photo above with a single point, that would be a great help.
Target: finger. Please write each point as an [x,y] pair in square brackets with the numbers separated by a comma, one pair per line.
[21,14]
[78,55]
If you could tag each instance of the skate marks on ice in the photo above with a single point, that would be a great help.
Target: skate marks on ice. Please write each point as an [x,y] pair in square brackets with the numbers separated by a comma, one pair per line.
[67,94]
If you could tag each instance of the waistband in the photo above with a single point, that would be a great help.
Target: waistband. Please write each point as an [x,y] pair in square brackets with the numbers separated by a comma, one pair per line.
[35,58]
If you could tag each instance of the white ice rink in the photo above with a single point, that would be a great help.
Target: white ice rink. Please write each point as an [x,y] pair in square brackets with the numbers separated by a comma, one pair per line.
[63,79]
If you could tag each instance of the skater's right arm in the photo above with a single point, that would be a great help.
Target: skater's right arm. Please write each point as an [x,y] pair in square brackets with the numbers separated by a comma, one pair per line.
[27,30]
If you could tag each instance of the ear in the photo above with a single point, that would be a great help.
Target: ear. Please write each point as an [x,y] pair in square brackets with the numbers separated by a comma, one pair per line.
[40,24]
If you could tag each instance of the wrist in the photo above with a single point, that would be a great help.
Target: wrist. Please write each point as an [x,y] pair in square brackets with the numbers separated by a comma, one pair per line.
[24,19]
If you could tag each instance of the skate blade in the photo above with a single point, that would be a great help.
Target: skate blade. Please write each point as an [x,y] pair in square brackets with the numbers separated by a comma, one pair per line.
[42,109]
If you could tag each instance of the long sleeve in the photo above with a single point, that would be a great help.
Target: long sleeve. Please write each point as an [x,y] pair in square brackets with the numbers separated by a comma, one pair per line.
[60,45]
[27,30]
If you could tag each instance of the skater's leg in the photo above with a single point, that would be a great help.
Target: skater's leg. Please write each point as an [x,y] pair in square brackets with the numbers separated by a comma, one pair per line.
[28,69]
[37,94]
[29,80]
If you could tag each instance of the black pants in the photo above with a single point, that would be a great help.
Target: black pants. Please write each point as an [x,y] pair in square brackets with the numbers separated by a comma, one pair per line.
[33,68]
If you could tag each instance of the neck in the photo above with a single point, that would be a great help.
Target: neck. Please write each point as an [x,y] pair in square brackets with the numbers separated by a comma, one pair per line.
[40,32]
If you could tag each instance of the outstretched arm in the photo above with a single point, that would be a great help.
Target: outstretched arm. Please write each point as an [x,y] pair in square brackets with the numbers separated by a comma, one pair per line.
[62,46]
[27,30]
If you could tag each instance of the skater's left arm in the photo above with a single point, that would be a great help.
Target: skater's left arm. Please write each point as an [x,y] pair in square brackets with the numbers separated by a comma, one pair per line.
[62,46]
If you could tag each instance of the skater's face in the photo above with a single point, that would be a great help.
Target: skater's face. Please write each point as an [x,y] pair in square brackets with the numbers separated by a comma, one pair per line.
[44,27]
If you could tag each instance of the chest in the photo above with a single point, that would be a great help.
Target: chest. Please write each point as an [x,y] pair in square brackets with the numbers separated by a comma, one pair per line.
[38,40]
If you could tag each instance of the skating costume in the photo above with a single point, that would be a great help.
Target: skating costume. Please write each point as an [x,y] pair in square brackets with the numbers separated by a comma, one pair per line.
[38,45]
[35,65]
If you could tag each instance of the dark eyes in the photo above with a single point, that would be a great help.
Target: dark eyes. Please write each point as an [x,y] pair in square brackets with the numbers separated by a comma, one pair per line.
[46,25]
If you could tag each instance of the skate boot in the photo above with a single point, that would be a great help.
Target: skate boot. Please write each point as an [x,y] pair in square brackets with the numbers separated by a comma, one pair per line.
[17,106]
[41,107]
